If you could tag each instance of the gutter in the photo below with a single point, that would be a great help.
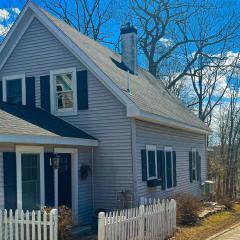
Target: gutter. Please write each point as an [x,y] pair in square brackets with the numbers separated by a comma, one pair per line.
[134,112]
[35,139]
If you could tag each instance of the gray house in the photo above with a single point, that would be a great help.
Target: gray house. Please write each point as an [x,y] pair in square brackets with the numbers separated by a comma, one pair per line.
[84,127]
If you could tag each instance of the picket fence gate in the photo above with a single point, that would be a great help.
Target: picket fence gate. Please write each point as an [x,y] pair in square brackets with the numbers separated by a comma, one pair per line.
[35,225]
[155,221]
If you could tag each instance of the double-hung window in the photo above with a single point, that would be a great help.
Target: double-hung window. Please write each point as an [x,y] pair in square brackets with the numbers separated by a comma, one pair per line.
[14,89]
[169,167]
[151,152]
[63,91]
[30,177]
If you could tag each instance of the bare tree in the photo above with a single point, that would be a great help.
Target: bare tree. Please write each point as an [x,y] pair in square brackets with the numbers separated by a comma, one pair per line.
[88,17]
[228,150]
[168,28]
[158,23]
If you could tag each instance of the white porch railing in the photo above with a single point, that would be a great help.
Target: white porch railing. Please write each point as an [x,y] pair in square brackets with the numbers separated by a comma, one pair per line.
[35,225]
[155,221]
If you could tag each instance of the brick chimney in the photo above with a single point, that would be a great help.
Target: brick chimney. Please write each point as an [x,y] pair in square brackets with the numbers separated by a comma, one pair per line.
[129,47]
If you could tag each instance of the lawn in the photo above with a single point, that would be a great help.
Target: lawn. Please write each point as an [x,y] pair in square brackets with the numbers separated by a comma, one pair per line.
[211,225]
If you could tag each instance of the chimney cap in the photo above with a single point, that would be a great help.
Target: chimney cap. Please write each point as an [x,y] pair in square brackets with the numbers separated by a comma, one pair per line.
[128,28]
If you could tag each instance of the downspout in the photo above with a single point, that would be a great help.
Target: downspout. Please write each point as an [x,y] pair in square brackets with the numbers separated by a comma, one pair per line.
[134,160]
[93,197]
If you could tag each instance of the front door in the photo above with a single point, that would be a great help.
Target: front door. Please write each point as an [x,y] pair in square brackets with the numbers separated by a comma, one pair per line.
[64,180]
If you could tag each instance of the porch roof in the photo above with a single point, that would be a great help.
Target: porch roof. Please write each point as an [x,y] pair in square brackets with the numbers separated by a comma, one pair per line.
[24,124]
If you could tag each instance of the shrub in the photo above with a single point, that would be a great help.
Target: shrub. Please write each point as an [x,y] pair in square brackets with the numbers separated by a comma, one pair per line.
[188,208]
[227,202]
[65,222]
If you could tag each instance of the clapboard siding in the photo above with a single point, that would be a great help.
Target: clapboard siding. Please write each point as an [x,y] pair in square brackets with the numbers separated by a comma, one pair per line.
[106,120]
[37,53]
[182,142]
[85,187]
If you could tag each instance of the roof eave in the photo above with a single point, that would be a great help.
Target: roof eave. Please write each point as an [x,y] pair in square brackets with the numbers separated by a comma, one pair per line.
[153,118]
[47,140]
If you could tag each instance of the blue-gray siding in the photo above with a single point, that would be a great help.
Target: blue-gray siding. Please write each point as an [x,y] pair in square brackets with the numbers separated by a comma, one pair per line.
[37,53]
[182,142]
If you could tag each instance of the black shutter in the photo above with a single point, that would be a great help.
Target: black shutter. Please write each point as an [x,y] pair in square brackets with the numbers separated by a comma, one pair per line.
[45,92]
[10,180]
[174,169]
[144,165]
[82,90]
[1,90]
[190,166]
[30,91]
[49,180]
[161,163]
[198,166]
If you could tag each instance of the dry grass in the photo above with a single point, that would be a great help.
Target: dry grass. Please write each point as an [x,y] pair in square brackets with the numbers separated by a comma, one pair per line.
[211,225]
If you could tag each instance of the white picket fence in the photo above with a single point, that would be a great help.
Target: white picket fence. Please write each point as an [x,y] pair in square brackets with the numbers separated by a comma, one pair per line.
[155,221]
[35,225]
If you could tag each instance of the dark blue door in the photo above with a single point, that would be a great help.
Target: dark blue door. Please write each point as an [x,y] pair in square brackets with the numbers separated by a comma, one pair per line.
[64,180]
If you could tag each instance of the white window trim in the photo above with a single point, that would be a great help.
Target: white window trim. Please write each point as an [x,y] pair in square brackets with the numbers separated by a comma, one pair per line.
[168,149]
[74,173]
[14,77]
[35,150]
[152,148]
[64,112]
[194,150]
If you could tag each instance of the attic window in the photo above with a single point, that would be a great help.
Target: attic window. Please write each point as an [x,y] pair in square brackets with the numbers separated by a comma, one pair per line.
[63,92]
[13,88]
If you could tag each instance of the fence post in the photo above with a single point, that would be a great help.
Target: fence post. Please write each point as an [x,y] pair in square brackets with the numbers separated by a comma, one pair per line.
[101,226]
[54,214]
[141,226]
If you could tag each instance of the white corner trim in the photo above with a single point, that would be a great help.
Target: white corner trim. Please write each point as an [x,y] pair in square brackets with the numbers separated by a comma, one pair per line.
[14,77]
[54,110]
[32,139]
[20,149]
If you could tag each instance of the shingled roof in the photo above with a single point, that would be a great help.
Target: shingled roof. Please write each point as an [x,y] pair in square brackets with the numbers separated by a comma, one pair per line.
[149,99]
[148,93]
[29,121]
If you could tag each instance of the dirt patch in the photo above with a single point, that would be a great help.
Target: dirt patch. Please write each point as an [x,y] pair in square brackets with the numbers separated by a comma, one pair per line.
[210,225]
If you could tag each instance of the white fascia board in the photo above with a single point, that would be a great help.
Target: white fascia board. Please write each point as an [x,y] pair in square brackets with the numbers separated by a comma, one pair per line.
[9,34]
[149,117]
[81,55]
[24,29]
[32,139]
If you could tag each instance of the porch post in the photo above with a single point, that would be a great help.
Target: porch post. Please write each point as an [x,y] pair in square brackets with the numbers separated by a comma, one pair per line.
[56,187]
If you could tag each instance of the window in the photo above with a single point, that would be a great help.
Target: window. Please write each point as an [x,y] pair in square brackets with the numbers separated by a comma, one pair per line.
[14,89]
[151,152]
[30,181]
[194,164]
[30,177]
[63,92]
[169,167]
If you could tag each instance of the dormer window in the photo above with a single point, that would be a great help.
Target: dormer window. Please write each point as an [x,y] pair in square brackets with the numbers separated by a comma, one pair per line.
[14,89]
[63,92]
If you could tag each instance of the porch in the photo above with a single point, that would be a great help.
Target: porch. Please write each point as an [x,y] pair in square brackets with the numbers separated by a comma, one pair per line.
[40,161]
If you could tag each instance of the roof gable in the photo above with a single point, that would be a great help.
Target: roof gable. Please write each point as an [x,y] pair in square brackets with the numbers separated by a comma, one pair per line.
[149,100]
